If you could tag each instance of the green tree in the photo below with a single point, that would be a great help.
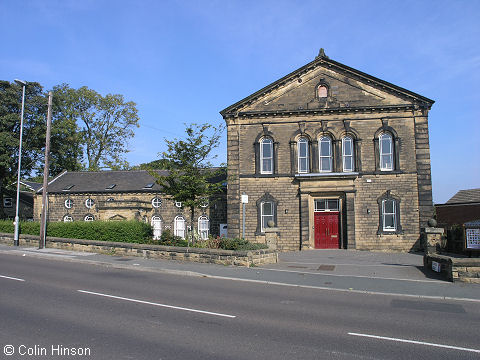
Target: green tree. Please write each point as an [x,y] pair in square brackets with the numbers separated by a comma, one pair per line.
[34,116]
[191,176]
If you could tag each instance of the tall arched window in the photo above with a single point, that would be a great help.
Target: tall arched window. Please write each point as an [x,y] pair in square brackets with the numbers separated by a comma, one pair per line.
[157,227]
[266,156]
[302,149]
[203,227]
[347,154]
[179,226]
[386,152]
[325,151]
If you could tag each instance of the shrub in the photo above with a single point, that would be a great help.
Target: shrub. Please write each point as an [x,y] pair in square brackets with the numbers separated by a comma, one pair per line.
[239,244]
[118,231]
[168,239]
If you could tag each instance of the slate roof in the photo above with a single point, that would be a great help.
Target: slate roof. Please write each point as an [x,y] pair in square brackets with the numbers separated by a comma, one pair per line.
[465,196]
[322,59]
[103,181]
[34,186]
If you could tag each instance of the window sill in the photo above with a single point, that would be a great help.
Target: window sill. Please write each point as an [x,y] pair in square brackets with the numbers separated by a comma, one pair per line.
[345,175]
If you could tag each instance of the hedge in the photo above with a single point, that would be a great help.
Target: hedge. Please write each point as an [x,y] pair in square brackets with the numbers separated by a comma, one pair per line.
[118,231]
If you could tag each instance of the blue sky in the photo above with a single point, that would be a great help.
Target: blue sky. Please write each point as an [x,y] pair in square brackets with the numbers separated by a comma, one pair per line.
[184,61]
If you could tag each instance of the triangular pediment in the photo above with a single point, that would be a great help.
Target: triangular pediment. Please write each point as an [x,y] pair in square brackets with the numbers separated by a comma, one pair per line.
[347,88]
[117,217]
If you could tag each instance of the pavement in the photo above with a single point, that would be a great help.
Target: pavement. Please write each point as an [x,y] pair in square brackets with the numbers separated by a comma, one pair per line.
[399,274]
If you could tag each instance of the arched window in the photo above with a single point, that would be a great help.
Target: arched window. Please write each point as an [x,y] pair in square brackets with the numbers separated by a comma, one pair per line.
[157,227]
[325,151]
[179,226]
[389,211]
[322,91]
[266,156]
[386,152]
[266,211]
[302,149]
[347,154]
[89,217]
[203,227]
[68,203]
[67,218]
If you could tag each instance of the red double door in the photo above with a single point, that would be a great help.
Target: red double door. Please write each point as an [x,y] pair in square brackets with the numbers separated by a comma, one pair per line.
[326,230]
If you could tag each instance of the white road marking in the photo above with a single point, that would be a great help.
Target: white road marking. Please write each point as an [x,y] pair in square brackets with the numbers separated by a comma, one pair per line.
[353,276]
[11,278]
[415,342]
[157,304]
[368,292]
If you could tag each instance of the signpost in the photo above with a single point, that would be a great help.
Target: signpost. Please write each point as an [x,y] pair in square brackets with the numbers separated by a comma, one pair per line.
[244,201]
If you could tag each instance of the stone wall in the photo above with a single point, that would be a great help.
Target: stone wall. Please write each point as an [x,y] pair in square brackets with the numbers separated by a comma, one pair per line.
[223,257]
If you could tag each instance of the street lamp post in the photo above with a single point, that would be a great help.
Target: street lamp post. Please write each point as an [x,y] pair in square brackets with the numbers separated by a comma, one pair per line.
[15,236]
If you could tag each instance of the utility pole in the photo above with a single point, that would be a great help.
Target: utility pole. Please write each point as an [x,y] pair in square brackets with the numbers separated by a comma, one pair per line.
[43,220]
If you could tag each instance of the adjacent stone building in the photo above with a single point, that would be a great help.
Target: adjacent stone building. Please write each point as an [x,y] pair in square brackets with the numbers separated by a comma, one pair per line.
[334,157]
[125,195]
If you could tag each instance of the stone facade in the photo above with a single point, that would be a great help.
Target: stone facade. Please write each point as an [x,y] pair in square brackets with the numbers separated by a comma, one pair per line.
[326,99]
[130,202]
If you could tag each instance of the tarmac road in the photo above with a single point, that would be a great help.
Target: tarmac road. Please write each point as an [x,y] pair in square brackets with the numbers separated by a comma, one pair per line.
[49,305]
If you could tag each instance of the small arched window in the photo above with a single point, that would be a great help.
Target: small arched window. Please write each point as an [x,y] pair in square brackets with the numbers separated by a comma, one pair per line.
[157,227]
[325,158]
[302,149]
[179,226]
[347,154]
[89,217]
[156,202]
[89,203]
[322,91]
[266,156]
[67,218]
[386,152]
[203,227]
[68,203]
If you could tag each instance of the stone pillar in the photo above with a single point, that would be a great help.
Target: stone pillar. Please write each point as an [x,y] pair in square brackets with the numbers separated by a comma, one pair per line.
[271,237]
[432,240]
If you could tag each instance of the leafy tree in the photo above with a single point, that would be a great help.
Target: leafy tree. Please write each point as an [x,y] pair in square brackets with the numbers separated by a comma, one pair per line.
[34,116]
[191,176]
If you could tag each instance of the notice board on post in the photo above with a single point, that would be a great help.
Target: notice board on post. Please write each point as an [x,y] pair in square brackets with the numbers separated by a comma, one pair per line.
[472,235]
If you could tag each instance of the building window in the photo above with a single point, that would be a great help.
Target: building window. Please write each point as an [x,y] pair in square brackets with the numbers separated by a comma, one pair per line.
[386,152]
[267,214]
[325,158]
[389,211]
[67,218]
[203,227]
[204,202]
[178,204]
[389,215]
[266,210]
[89,217]
[179,226]
[89,203]
[157,227]
[7,202]
[322,91]
[110,199]
[266,156]
[68,203]
[303,159]
[322,205]
[156,202]
[347,154]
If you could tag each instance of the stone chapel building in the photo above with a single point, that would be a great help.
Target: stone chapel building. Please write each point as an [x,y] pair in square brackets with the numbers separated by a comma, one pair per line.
[336,158]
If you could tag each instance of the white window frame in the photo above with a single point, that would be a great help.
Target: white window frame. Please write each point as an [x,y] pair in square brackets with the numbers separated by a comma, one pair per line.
[177,231]
[268,142]
[7,202]
[263,223]
[156,202]
[345,156]
[68,203]
[382,152]
[68,218]
[321,156]
[178,204]
[89,217]
[203,227]
[157,231]
[385,214]
[303,141]
[89,203]
[204,202]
